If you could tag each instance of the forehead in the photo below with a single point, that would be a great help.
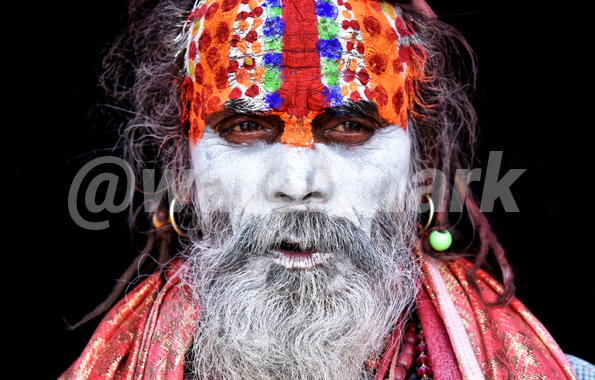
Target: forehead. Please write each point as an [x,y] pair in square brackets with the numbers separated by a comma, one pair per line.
[296,58]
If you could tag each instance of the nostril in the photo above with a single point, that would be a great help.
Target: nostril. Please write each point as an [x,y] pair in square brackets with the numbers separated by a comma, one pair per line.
[284,197]
[314,194]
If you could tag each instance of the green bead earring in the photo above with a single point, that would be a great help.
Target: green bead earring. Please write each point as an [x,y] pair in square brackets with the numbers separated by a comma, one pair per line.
[439,241]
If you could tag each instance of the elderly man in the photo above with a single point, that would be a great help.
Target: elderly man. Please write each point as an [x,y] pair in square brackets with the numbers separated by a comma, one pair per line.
[296,131]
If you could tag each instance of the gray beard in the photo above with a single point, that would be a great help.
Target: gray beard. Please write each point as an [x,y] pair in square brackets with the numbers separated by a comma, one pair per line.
[262,321]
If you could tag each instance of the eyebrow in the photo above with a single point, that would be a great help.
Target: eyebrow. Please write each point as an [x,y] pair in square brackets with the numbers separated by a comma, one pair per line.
[242,106]
[363,108]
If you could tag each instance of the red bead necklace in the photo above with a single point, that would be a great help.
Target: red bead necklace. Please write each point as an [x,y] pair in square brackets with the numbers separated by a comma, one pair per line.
[413,350]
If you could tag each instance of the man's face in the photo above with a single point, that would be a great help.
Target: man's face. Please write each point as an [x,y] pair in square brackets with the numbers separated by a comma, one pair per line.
[298,126]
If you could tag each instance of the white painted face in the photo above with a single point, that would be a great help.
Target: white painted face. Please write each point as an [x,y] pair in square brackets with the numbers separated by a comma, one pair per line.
[339,177]
[360,288]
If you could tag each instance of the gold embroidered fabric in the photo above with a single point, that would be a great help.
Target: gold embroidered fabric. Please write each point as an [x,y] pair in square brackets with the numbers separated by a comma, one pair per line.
[508,342]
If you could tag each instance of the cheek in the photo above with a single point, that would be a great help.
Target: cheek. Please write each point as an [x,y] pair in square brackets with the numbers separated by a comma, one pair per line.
[230,178]
[371,176]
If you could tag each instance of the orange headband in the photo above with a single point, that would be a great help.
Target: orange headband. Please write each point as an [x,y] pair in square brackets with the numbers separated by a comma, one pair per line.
[294,58]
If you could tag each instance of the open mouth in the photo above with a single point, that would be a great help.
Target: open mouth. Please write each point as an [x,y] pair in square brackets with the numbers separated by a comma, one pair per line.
[293,254]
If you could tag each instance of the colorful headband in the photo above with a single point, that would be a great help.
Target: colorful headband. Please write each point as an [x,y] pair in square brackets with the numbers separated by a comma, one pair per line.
[294,58]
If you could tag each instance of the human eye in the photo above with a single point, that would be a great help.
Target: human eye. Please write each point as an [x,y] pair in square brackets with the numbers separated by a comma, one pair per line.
[348,127]
[247,126]
[347,132]
[248,129]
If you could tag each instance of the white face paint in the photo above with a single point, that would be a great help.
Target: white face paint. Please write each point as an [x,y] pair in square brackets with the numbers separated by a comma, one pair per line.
[311,261]
[351,182]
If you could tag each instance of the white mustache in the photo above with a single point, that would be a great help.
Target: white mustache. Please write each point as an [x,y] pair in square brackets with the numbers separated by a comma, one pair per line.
[336,238]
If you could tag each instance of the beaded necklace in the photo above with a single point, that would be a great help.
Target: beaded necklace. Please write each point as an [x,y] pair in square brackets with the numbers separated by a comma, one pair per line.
[409,362]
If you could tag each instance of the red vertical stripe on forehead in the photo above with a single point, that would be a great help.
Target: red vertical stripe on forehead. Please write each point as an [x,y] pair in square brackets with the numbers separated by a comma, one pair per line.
[302,86]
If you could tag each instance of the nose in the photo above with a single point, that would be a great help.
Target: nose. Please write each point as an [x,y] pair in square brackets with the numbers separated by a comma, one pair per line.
[297,178]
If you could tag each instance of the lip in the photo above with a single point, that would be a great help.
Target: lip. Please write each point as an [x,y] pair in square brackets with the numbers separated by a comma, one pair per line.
[300,259]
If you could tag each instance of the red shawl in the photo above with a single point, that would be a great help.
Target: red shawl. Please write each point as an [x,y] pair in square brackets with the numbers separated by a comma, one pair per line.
[147,333]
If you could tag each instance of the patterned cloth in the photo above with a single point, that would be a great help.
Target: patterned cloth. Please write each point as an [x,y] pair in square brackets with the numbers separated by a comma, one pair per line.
[489,342]
[146,335]
[584,370]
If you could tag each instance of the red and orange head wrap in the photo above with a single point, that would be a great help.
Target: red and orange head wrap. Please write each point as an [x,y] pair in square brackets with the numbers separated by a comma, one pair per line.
[294,58]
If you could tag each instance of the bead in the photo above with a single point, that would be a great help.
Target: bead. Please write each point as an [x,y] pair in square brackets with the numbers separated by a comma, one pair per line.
[409,348]
[422,360]
[440,241]
[400,373]
[405,360]
[411,336]
[427,371]
[421,348]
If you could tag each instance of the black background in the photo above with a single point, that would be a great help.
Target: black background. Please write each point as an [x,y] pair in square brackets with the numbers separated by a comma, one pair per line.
[534,104]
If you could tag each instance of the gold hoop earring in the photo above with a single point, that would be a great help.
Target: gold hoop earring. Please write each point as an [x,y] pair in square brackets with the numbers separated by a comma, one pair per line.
[431,212]
[172,218]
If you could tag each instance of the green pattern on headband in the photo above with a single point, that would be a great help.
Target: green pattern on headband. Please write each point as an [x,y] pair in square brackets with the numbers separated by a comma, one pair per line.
[274,12]
[330,71]
[272,79]
[327,28]
[274,45]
